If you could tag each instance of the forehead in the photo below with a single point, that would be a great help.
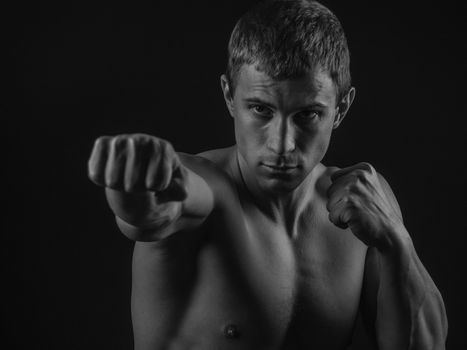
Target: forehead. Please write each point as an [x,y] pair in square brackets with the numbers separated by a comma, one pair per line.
[314,86]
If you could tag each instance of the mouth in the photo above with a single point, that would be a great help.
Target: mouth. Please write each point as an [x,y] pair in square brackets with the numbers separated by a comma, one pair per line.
[280,168]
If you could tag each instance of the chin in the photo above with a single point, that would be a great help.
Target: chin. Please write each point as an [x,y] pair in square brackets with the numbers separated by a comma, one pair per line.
[277,185]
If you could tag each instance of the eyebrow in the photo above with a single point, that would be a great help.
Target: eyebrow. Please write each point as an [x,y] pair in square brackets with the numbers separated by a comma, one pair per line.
[313,105]
[258,100]
[304,107]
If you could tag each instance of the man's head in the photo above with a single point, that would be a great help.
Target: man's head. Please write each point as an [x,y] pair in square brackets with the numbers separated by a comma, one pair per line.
[287,38]
[287,86]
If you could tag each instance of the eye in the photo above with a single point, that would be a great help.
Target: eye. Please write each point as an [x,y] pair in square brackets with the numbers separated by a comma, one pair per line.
[261,110]
[306,116]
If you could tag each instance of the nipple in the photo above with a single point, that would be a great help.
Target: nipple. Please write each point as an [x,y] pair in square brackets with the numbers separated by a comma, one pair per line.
[231,331]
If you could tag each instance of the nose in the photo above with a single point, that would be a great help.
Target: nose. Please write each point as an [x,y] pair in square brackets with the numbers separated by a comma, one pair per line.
[281,136]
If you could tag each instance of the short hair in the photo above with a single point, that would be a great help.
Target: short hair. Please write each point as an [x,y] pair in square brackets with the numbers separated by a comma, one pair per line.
[286,39]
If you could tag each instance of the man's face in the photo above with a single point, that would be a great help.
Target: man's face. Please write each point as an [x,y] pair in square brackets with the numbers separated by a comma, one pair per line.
[282,128]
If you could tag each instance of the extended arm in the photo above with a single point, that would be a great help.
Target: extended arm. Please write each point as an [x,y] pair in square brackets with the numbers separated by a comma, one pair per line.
[152,190]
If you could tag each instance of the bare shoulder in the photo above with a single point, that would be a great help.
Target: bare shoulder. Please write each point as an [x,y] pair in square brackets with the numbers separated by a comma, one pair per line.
[217,159]
[213,167]
[323,178]
[221,157]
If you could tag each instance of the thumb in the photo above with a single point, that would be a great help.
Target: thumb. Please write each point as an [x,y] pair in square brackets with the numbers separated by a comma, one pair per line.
[176,191]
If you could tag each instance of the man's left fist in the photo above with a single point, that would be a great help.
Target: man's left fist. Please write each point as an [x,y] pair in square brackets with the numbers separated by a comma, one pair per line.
[362,200]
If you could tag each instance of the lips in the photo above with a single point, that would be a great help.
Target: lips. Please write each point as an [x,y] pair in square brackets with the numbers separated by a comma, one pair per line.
[280,168]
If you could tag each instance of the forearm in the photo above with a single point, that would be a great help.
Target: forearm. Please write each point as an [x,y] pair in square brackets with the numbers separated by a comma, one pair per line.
[150,216]
[410,309]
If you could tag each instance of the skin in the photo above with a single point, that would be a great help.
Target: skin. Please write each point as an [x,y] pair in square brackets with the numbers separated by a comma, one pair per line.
[261,246]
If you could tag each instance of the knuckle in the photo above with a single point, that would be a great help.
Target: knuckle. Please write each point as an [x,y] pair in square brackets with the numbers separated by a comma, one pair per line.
[100,141]
[132,141]
[168,150]
[138,140]
[155,146]
[168,147]
[163,145]
[100,146]
[139,136]
[368,167]
[120,144]
[163,151]
[119,140]
[360,175]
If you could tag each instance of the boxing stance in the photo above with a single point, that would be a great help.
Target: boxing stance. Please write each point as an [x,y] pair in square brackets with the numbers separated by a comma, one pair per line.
[260,245]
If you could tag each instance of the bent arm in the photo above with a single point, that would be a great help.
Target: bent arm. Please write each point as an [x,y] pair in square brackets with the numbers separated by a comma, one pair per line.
[408,310]
[401,304]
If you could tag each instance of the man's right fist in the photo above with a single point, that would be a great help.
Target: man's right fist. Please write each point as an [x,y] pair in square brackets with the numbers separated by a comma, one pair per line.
[137,163]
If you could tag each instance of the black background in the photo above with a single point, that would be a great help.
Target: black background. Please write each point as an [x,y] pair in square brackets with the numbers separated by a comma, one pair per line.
[79,70]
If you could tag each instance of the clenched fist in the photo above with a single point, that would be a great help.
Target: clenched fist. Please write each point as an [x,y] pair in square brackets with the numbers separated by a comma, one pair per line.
[136,163]
[143,177]
[361,200]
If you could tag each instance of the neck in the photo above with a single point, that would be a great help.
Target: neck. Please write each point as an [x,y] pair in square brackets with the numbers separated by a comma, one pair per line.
[280,206]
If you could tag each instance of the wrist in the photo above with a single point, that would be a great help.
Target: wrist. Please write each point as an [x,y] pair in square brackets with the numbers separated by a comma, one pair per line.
[150,229]
[396,241]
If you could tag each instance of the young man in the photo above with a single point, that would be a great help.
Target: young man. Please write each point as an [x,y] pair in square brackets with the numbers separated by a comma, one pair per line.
[261,246]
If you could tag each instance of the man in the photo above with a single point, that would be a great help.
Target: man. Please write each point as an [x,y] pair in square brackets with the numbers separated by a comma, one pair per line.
[261,246]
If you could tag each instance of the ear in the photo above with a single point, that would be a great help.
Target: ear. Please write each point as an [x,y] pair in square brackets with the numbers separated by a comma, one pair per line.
[228,94]
[343,107]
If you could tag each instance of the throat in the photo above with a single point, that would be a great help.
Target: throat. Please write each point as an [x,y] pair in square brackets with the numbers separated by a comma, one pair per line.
[282,208]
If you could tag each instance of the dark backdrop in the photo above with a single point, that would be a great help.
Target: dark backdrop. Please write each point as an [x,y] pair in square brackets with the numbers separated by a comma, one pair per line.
[80,70]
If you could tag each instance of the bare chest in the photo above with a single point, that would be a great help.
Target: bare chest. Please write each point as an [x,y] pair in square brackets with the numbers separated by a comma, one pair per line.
[322,267]
[297,289]
[243,283]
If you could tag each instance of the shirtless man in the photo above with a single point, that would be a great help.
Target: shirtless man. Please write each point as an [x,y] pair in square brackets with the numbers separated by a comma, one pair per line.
[261,246]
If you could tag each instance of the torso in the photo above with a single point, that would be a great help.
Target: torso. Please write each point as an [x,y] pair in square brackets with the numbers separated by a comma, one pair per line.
[242,281]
